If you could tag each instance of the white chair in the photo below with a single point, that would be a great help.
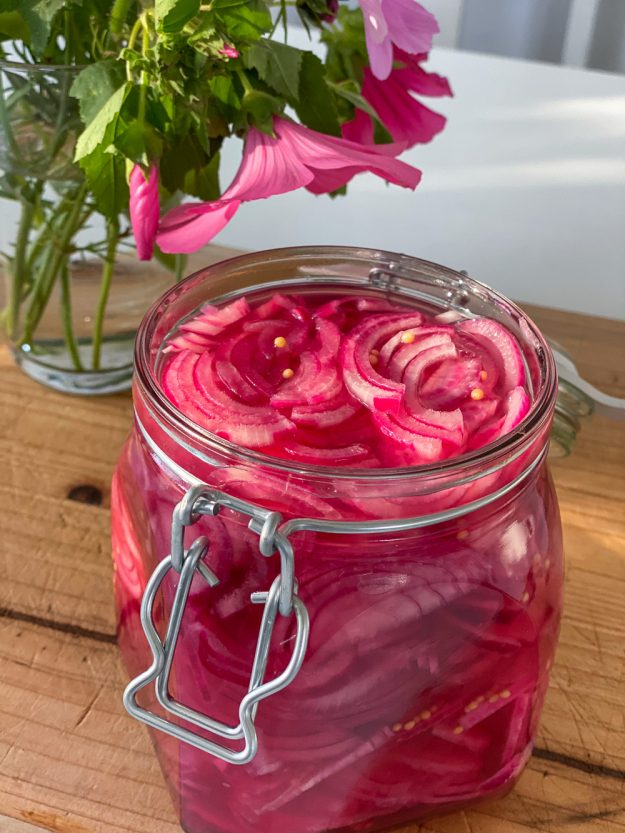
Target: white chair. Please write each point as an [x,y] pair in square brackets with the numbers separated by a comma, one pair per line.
[532,29]
[607,48]
[583,33]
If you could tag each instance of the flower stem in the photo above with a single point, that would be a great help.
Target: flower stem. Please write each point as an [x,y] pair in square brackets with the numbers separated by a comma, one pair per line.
[6,123]
[66,318]
[180,262]
[119,13]
[112,235]
[145,45]
[39,292]
[18,267]
[58,252]
[134,34]
[244,80]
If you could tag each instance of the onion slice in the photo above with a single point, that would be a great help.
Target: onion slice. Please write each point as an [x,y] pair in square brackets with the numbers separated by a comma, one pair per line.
[500,345]
[347,380]
[361,380]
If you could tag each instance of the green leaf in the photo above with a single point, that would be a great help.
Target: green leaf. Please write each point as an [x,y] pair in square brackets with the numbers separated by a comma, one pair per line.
[339,192]
[13,27]
[312,11]
[157,115]
[38,15]
[201,132]
[203,31]
[38,30]
[104,166]
[172,15]
[349,36]
[350,94]
[348,91]
[187,168]
[261,106]
[277,64]
[48,8]
[95,85]
[105,171]
[243,19]
[95,132]
[315,105]
[223,106]
[139,142]
[346,55]
[203,182]
[166,260]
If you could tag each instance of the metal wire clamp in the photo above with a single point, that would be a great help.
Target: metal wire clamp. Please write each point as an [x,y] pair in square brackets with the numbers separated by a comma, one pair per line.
[281,598]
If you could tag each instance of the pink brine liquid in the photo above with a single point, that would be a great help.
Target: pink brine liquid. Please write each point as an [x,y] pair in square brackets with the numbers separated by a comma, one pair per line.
[429,649]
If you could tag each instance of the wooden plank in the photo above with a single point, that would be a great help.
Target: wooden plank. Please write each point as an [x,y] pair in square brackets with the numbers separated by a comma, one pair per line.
[44,821]
[66,735]
[66,738]
[596,344]
[71,761]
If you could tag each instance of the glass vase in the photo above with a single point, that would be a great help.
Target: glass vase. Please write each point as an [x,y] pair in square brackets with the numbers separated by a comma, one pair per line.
[73,293]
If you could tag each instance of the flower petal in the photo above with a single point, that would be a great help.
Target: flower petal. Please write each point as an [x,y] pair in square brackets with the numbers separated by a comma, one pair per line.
[188,227]
[406,119]
[325,182]
[380,57]
[410,26]
[359,129]
[379,45]
[376,29]
[144,210]
[268,167]
[295,157]
[322,153]
[415,78]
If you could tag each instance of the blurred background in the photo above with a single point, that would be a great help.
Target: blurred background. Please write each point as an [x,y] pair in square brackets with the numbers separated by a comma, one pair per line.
[579,33]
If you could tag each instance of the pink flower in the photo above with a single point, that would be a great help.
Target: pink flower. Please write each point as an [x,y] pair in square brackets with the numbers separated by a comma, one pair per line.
[404,23]
[144,210]
[405,118]
[229,51]
[359,129]
[296,157]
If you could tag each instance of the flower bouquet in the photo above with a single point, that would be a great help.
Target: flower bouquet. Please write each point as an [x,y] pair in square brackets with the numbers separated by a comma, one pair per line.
[112,114]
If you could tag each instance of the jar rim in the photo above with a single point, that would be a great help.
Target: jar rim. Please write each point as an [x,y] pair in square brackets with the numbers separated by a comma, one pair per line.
[493,455]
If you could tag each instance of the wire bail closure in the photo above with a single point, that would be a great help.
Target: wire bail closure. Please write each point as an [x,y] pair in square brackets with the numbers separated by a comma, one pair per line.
[280,599]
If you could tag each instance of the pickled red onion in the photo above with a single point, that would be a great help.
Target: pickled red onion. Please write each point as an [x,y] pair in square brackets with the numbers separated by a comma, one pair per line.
[390,385]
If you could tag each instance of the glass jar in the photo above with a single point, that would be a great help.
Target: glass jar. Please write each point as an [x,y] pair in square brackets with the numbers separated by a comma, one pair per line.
[335,649]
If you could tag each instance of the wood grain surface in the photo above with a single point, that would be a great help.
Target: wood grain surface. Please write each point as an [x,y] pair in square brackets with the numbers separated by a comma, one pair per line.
[71,761]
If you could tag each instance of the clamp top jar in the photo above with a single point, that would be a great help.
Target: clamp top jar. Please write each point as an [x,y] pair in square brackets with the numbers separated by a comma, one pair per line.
[370,643]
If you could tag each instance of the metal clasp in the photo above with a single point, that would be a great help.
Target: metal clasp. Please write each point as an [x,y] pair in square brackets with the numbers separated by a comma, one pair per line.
[281,598]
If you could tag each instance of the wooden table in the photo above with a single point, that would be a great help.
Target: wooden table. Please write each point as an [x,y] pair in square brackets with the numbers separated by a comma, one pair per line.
[71,761]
